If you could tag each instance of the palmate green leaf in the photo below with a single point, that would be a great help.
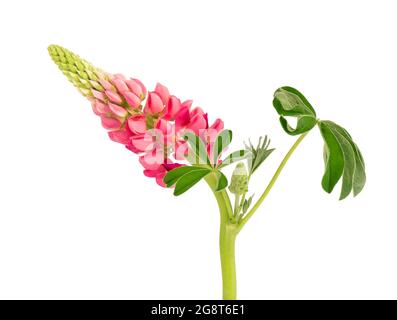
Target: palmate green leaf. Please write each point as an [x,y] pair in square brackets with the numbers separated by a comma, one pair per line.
[222,141]
[198,154]
[342,157]
[289,102]
[189,179]
[172,176]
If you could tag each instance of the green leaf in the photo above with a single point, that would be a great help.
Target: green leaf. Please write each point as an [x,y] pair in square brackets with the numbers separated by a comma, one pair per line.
[259,153]
[247,204]
[234,157]
[222,181]
[342,158]
[172,176]
[222,141]
[189,179]
[199,153]
[359,176]
[289,102]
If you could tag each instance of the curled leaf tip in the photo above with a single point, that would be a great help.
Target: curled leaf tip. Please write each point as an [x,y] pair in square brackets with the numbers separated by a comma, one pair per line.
[289,102]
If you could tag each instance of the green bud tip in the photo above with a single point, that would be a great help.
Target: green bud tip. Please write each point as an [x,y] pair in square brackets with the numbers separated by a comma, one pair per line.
[80,72]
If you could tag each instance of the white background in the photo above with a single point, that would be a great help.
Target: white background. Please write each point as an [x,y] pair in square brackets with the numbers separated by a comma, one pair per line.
[79,220]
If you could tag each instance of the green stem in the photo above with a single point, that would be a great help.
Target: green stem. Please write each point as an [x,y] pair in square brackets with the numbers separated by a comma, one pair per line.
[236,204]
[271,183]
[229,229]
[227,237]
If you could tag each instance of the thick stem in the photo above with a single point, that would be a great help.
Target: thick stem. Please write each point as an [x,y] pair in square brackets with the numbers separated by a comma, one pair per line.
[229,229]
[227,238]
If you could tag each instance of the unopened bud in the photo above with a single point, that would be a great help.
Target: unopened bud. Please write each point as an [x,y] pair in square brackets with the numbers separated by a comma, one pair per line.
[239,181]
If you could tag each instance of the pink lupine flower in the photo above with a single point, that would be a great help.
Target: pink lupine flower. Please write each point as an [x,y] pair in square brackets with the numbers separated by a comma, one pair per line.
[137,124]
[132,99]
[182,118]
[154,132]
[161,171]
[198,122]
[110,123]
[122,136]
[137,87]
[163,92]
[154,103]
[172,108]
[142,142]
[113,97]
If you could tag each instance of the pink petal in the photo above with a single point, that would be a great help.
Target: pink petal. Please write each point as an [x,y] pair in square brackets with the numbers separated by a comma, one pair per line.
[100,107]
[137,124]
[197,123]
[182,118]
[218,125]
[196,111]
[95,110]
[162,91]
[106,84]
[132,99]
[173,106]
[113,96]
[110,123]
[120,85]
[142,142]
[152,173]
[169,165]
[132,148]
[117,110]
[143,88]
[99,95]
[164,126]
[187,103]
[120,136]
[181,150]
[154,104]
[160,179]
[152,160]
[135,88]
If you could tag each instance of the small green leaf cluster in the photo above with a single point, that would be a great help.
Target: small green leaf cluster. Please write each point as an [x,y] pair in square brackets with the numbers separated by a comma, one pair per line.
[258,154]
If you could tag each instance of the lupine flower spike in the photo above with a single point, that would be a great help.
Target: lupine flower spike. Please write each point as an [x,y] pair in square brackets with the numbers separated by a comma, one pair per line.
[178,146]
